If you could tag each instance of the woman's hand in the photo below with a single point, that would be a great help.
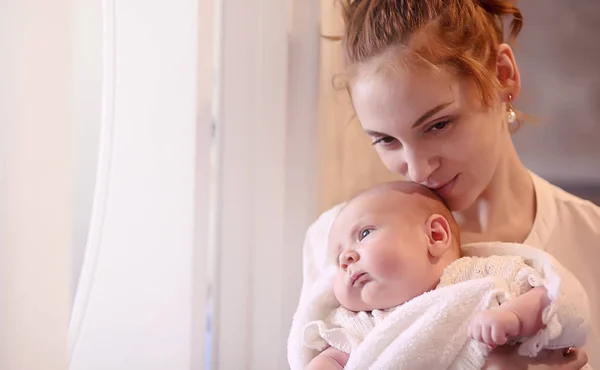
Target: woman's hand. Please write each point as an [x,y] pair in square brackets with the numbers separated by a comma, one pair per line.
[507,358]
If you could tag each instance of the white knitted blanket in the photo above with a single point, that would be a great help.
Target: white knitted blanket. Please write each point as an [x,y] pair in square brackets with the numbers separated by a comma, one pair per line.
[430,331]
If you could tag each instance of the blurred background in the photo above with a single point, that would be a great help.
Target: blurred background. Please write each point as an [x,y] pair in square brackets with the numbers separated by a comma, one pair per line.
[161,162]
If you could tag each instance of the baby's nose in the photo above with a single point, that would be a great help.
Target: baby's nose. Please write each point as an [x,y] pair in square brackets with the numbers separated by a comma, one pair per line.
[347,258]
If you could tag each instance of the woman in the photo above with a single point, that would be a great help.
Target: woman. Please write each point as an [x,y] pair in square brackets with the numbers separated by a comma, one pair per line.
[433,84]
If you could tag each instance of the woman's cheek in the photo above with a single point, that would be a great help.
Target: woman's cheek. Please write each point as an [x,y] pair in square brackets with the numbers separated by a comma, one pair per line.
[392,161]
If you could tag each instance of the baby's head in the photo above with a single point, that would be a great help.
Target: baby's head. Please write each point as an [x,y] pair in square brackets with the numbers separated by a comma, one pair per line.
[392,243]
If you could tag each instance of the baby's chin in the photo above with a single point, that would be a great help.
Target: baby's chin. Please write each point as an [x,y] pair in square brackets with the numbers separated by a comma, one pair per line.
[355,303]
[358,307]
[351,303]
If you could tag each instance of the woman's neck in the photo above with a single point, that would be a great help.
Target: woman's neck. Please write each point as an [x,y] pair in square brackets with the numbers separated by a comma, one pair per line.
[505,211]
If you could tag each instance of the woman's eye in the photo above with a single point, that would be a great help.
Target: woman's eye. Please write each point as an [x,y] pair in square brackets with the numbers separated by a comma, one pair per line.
[385,140]
[438,126]
[364,233]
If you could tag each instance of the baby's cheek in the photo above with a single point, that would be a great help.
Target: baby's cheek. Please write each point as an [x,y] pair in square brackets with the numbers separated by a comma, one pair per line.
[387,265]
[339,290]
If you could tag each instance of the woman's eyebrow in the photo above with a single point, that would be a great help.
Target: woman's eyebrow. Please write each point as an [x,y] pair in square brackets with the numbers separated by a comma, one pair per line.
[374,133]
[418,122]
[429,114]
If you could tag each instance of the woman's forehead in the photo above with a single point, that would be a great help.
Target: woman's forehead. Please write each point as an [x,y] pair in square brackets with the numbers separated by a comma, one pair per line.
[402,96]
[407,82]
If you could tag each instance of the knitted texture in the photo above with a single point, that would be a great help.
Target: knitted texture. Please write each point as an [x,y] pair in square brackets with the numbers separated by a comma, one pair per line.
[512,275]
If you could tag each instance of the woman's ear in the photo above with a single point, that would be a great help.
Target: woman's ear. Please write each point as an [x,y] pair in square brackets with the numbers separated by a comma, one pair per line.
[507,71]
[439,235]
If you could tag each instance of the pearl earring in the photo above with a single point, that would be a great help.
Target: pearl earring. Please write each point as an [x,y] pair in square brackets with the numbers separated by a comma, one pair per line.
[511,114]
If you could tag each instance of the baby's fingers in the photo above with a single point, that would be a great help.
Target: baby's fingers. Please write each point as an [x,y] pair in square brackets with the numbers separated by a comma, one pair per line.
[499,336]
[486,334]
[475,331]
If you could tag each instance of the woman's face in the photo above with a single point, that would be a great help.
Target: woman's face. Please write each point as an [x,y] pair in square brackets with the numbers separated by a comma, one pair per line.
[434,130]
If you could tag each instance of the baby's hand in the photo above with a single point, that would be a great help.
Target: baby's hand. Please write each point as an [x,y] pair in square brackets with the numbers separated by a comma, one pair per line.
[494,327]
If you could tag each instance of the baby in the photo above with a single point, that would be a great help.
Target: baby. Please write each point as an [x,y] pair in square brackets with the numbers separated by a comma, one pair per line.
[398,241]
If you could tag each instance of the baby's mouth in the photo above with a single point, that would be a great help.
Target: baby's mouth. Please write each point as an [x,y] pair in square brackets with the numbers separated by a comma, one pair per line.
[357,278]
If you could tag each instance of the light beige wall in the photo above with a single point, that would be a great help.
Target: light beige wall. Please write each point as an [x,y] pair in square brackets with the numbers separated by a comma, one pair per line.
[347,161]
[35,184]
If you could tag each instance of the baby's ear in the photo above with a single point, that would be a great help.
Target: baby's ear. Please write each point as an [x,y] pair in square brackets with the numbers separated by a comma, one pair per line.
[439,235]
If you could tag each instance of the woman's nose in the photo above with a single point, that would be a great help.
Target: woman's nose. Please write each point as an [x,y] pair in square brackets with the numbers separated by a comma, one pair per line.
[420,167]
[347,258]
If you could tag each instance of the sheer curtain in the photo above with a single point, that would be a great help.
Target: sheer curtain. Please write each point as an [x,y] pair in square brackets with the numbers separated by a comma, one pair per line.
[266,125]
[136,305]
[205,186]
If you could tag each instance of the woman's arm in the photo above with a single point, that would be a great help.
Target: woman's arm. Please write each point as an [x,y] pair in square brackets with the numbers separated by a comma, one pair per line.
[507,358]
[329,359]
[527,308]
[313,273]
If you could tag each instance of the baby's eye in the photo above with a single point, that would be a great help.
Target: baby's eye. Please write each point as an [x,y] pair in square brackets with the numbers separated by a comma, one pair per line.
[364,233]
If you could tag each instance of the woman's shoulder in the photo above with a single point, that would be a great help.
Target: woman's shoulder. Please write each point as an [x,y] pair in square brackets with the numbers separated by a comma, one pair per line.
[568,228]
[559,210]
[566,202]
[324,220]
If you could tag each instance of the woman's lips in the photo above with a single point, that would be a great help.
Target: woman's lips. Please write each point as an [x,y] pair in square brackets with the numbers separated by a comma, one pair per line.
[445,190]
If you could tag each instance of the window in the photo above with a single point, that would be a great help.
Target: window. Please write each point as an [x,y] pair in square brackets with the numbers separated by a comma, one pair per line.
[205,185]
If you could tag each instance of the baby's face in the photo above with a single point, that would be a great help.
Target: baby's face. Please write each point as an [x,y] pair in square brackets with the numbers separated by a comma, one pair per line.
[382,253]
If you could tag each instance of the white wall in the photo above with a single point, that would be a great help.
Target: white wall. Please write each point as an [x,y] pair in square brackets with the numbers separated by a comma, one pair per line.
[35,183]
